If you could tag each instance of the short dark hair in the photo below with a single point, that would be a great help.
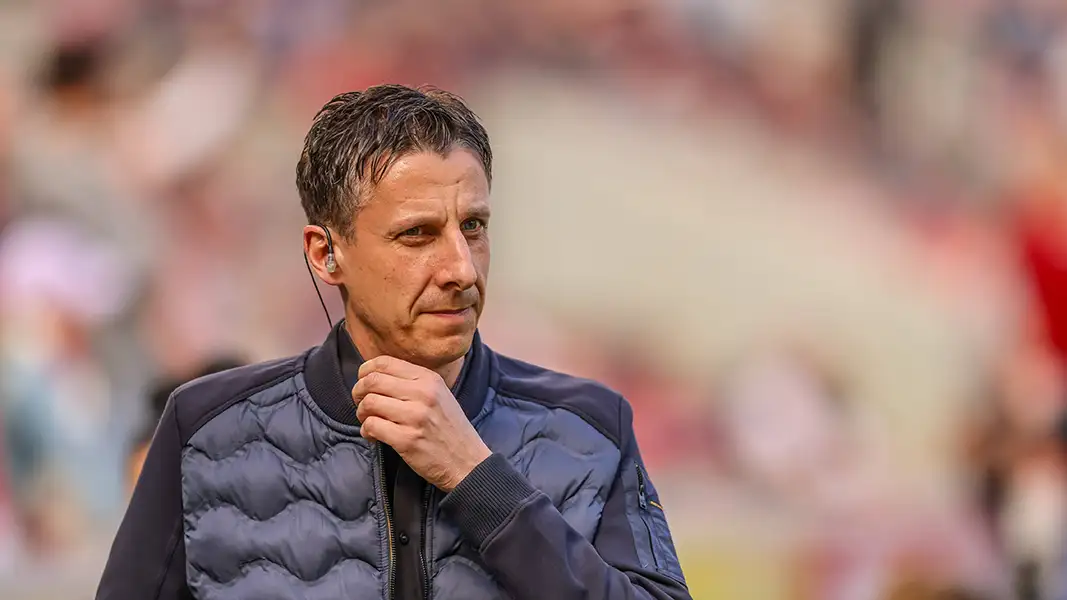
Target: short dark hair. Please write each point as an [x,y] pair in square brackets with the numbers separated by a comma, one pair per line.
[357,136]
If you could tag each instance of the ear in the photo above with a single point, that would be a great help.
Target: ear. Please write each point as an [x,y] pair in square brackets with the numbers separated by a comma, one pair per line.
[316,248]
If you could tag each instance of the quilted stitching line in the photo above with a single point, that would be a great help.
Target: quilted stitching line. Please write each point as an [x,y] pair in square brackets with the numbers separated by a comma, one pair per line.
[223,504]
[247,566]
[242,452]
[253,411]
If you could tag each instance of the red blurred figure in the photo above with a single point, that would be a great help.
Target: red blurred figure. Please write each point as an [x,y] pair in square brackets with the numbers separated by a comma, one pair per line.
[1043,242]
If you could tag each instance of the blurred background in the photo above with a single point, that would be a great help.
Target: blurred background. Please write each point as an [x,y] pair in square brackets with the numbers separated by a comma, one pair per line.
[820,245]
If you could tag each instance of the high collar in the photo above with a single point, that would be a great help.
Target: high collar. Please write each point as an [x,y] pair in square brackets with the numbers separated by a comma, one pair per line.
[327,384]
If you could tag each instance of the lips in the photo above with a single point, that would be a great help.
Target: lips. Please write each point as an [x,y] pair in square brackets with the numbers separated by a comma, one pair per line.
[449,311]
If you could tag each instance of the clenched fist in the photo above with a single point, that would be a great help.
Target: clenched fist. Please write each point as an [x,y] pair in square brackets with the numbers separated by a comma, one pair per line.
[411,409]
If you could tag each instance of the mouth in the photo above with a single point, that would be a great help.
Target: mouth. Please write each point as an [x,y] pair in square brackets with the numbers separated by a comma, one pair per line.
[450,312]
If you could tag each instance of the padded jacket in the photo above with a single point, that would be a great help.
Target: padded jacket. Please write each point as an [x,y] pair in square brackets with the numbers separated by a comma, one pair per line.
[259,486]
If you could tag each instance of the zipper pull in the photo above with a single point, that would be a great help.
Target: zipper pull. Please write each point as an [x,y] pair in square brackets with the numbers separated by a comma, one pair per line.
[642,498]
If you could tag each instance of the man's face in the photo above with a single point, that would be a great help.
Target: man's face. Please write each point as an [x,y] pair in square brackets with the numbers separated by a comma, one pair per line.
[416,266]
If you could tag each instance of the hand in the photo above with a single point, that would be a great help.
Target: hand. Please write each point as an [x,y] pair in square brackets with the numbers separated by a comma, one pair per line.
[412,410]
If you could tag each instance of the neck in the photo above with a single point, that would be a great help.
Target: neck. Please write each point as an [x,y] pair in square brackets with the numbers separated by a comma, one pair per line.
[369,347]
[450,372]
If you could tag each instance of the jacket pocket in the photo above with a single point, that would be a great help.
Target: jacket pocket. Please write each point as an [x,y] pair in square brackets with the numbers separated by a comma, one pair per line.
[659,552]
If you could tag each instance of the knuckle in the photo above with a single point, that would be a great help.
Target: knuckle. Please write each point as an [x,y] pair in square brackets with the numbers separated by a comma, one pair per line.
[427,393]
[421,414]
[363,410]
[420,434]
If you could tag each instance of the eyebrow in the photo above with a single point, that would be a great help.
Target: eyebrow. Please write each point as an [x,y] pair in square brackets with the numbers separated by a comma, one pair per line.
[418,216]
[479,210]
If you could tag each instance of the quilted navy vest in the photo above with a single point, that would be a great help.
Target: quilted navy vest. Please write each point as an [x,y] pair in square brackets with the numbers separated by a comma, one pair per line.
[283,501]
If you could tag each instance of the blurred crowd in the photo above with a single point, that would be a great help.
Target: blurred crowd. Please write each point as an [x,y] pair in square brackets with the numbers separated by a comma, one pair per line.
[147,150]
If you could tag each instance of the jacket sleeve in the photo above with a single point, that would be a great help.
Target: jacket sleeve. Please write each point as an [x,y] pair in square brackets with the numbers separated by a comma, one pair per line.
[147,559]
[534,553]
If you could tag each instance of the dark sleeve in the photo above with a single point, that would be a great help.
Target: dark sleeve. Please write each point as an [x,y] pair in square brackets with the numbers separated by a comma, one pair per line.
[147,559]
[534,553]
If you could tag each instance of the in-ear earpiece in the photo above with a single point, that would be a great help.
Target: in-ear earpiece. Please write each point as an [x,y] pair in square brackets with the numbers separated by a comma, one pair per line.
[331,266]
[331,262]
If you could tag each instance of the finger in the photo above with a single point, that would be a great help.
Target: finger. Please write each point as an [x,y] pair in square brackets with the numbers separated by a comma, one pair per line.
[393,366]
[377,382]
[388,408]
[377,429]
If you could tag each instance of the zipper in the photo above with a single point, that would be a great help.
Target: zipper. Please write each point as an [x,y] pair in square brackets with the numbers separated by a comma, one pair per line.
[422,542]
[642,501]
[642,497]
[388,520]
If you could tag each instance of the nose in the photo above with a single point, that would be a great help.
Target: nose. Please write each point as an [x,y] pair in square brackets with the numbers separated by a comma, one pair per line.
[457,263]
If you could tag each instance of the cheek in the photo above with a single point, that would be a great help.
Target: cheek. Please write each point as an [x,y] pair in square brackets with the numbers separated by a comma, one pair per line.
[407,281]
[388,284]
[481,257]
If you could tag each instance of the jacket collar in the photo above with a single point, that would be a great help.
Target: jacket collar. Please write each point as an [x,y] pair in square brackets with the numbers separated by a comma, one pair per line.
[327,385]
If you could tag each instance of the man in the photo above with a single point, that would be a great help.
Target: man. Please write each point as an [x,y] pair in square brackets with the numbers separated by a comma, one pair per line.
[402,458]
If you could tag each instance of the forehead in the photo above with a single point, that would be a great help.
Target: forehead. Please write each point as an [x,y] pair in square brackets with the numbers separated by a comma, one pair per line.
[422,177]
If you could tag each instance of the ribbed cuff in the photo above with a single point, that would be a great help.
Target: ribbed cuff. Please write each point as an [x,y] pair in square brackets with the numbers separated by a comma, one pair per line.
[488,496]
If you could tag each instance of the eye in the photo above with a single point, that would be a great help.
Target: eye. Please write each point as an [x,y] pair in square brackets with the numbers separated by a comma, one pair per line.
[473,225]
[411,232]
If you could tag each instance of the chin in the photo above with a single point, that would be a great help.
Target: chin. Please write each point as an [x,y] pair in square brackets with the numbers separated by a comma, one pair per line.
[439,351]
